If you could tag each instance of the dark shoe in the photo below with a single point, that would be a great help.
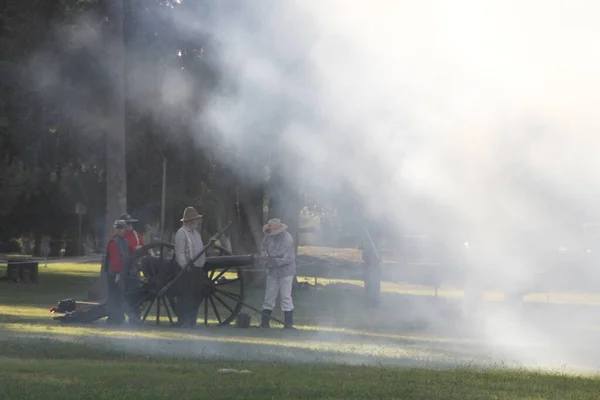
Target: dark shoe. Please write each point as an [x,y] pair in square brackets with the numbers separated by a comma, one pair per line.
[266,319]
[289,319]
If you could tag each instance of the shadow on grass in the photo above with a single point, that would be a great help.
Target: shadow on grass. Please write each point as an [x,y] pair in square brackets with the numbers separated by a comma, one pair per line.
[301,347]
[64,369]
[285,346]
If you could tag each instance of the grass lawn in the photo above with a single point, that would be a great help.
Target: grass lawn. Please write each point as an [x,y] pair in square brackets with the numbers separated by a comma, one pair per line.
[40,359]
[39,370]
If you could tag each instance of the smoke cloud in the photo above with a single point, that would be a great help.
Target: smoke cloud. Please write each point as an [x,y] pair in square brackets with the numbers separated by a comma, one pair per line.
[471,121]
[478,106]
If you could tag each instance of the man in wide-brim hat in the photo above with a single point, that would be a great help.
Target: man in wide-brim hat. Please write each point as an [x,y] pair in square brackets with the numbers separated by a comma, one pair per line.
[279,252]
[113,265]
[188,244]
[135,239]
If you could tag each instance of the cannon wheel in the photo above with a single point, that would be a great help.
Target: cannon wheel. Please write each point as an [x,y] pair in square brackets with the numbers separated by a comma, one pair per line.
[154,265]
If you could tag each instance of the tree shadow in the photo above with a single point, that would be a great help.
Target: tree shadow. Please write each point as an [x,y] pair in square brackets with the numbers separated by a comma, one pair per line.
[252,345]
[256,345]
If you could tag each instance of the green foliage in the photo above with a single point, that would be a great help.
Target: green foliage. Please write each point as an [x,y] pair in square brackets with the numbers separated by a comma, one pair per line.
[55,90]
[15,182]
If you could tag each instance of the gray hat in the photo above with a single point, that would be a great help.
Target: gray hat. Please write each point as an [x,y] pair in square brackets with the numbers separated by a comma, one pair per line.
[127,218]
[120,224]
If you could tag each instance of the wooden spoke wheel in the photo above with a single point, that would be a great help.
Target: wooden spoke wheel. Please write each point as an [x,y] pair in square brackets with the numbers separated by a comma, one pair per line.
[220,292]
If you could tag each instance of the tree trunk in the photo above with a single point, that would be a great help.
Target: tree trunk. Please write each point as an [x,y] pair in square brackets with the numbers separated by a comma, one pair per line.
[285,199]
[251,207]
[244,208]
[72,242]
[229,196]
[55,247]
[116,177]
[37,250]
[247,218]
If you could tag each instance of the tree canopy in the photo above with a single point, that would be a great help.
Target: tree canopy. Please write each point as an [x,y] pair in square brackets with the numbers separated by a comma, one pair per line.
[59,135]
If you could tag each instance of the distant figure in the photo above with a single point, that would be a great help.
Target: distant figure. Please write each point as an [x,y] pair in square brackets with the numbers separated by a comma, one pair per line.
[135,239]
[371,258]
[26,248]
[279,252]
[115,261]
[188,244]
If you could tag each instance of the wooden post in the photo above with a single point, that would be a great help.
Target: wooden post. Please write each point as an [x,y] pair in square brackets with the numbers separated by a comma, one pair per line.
[79,238]
[116,174]
[80,210]
[163,200]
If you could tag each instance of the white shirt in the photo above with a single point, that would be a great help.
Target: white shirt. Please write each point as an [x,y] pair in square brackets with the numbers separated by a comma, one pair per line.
[188,244]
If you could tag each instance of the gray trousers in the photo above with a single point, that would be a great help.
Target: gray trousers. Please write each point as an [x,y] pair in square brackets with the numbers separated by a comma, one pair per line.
[283,288]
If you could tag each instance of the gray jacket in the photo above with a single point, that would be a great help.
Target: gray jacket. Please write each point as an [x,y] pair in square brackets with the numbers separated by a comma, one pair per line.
[281,250]
[188,244]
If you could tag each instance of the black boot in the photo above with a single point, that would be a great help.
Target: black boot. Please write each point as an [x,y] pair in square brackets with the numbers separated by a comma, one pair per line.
[266,320]
[289,319]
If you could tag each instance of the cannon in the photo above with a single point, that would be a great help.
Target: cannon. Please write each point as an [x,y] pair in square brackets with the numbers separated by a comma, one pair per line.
[152,285]
[152,281]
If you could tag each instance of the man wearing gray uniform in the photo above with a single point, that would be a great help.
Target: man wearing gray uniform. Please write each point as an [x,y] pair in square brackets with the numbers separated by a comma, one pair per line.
[279,252]
[188,244]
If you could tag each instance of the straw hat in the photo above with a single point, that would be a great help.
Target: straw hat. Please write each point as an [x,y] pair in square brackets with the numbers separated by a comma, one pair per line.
[190,214]
[274,227]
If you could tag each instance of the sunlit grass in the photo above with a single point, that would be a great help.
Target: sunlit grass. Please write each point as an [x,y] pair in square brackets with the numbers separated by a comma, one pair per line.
[451,293]
[23,311]
[89,271]
[339,300]
[150,329]
[341,254]
[66,370]
[70,268]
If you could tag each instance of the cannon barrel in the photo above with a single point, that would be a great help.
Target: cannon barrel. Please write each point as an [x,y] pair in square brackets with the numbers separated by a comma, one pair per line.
[229,261]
